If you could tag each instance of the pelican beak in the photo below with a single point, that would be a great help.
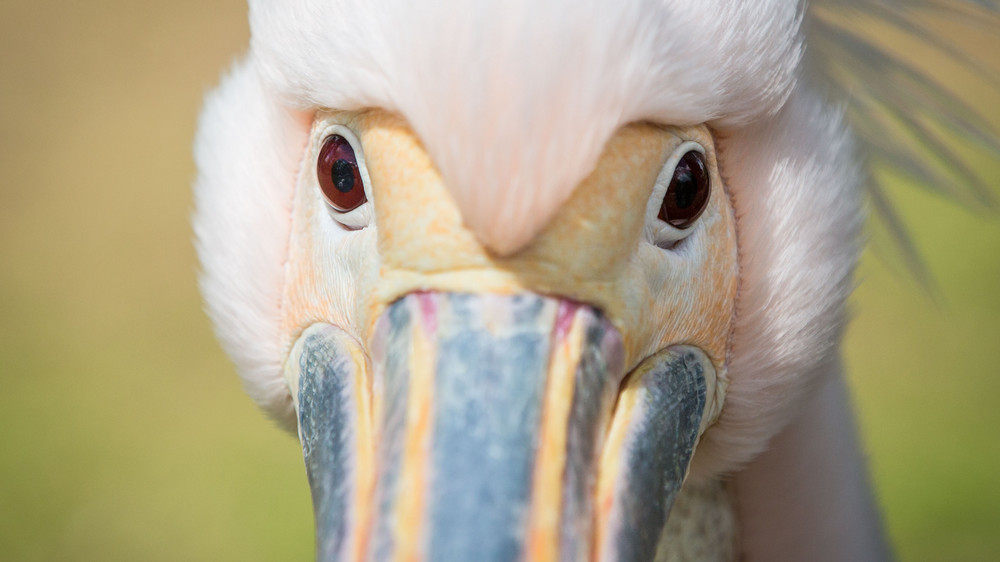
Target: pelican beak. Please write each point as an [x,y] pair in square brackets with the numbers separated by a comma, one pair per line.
[498,436]
[534,405]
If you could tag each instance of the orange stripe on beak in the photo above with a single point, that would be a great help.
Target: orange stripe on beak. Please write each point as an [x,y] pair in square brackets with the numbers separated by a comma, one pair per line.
[543,543]
[410,515]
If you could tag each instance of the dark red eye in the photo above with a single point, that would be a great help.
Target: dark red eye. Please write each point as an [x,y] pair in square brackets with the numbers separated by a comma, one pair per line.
[687,195]
[338,174]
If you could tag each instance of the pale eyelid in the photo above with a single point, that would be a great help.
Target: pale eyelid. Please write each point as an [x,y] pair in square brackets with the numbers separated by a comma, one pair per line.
[659,232]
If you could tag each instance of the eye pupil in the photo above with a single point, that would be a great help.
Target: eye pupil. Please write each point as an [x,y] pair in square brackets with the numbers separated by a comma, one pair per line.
[338,174]
[687,194]
[687,189]
[342,174]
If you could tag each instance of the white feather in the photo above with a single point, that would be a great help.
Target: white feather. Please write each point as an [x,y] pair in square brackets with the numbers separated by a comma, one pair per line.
[247,152]
[795,189]
[515,100]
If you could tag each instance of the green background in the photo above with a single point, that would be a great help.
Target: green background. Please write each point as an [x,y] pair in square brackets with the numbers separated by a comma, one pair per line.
[123,430]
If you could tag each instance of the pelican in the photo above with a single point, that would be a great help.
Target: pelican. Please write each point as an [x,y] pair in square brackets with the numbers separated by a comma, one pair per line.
[544,280]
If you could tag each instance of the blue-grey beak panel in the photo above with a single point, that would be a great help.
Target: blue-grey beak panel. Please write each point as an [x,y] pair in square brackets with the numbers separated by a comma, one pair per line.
[332,417]
[484,364]
[659,416]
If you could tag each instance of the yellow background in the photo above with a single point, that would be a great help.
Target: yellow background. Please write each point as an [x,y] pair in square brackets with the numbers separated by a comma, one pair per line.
[123,431]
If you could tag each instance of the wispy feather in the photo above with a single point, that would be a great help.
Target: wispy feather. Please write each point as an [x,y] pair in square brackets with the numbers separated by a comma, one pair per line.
[905,118]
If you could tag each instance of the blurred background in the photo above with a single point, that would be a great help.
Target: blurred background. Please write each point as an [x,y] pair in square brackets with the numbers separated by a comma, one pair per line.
[124,434]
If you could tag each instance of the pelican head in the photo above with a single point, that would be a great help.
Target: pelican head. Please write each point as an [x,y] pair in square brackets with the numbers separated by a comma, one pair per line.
[515,271]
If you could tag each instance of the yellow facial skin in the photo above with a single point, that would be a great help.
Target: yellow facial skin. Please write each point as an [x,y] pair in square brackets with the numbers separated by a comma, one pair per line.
[597,249]
[594,250]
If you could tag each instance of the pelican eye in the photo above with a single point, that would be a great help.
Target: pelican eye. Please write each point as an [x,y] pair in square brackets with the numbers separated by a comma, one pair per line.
[339,175]
[687,194]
